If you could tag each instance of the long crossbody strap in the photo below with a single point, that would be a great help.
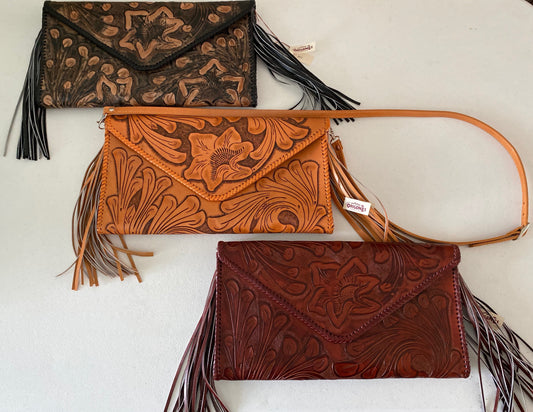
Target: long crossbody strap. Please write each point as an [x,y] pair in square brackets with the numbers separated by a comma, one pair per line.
[376,226]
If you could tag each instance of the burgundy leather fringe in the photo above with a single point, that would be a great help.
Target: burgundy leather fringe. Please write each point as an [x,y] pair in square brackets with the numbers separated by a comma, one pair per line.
[498,348]
[96,253]
[194,384]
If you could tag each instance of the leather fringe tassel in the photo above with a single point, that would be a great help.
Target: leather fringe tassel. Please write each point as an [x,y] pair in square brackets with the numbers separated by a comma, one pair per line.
[194,384]
[96,253]
[281,63]
[498,347]
[33,142]
[376,227]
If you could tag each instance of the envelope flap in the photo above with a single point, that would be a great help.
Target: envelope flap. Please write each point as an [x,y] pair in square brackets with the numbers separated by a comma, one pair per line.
[148,35]
[339,289]
[217,157]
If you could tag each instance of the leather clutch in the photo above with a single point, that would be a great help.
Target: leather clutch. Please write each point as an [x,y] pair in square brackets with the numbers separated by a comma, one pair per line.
[166,170]
[91,54]
[170,173]
[134,53]
[328,310]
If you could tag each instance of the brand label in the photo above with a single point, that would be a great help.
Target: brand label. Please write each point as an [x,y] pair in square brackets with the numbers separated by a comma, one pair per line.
[304,52]
[304,48]
[357,206]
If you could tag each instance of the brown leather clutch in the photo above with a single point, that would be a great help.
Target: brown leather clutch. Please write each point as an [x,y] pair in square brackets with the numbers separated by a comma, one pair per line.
[327,310]
[210,174]
[91,54]
[134,53]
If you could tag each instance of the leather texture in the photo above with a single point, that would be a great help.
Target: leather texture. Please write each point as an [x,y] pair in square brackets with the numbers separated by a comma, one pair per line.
[330,310]
[171,174]
[373,225]
[133,53]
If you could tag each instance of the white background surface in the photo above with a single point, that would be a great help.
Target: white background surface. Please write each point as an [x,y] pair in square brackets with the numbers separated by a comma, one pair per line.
[116,347]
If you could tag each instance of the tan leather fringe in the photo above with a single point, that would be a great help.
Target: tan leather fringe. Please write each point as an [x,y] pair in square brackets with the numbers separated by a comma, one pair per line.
[376,226]
[96,253]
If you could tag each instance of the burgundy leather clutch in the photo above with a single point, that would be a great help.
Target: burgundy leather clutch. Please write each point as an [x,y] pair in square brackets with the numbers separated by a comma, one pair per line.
[327,310]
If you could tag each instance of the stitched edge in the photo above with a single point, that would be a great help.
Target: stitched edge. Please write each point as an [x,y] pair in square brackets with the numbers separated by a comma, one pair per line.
[49,10]
[325,165]
[299,146]
[460,325]
[103,187]
[252,58]
[332,337]
[44,48]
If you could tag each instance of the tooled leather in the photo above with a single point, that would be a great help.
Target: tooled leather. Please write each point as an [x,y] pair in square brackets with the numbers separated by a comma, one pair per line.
[282,188]
[150,54]
[320,310]
[259,338]
[196,151]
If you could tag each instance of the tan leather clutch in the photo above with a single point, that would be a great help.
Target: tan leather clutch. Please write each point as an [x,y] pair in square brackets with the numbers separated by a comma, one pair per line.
[182,170]
[214,174]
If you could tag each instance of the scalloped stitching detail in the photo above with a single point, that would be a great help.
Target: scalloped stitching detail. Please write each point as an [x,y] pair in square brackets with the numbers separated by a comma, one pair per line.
[460,326]
[325,166]
[103,187]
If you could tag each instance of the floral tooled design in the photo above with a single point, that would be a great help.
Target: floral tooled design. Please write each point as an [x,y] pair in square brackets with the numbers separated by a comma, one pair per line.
[343,290]
[423,343]
[217,158]
[147,128]
[150,31]
[216,71]
[287,202]
[141,205]
[259,344]
[278,133]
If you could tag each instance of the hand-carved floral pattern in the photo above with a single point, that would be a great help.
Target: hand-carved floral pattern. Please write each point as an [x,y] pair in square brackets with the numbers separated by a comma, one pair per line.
[147,54]
[278,132]
[148,32]
[349,290]
[206,162]
[217,158]
[258,332]
[287,202]
[426,347]
[147,128]
[140,205]
[264,334]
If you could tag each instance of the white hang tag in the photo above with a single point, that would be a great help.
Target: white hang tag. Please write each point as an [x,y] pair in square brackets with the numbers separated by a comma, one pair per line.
[357,206]
[304,52]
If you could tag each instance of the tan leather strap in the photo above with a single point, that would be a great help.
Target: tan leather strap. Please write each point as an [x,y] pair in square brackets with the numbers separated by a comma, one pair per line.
[345,114]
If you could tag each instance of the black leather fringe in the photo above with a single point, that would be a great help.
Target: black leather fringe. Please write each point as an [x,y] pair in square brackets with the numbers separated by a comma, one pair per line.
[194,383]
[33,142]
[281,63]
[498,347]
